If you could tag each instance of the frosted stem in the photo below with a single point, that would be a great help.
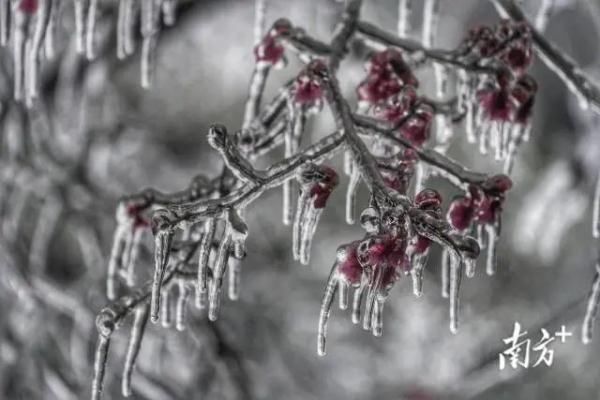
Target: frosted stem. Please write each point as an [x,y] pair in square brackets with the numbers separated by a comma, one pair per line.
[140,321]
[161,258]
[456,268]
[100,366]
[351,196]
[326,310]
[592,308]
[203,259]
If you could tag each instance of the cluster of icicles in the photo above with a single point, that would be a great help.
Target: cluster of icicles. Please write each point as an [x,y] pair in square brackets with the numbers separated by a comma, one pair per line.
[30,27]
[196,256]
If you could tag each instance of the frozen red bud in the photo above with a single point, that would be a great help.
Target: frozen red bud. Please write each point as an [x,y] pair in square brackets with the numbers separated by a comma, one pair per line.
[428,199]
[307,91]
[417,128]
[349,267]
[496,104]
[421,244]
[28,6]
[325,180]
[461,213]
[498,184]
[269,50]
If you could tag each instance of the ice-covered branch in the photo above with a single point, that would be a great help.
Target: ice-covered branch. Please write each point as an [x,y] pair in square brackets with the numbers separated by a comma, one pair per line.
[586,90]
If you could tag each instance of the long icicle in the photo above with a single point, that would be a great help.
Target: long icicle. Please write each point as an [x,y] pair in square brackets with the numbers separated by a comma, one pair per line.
[140,321]
[100,366]
[404,12]
[351,196]
[596,211]
[214,297]
[456,267]
[203,259]
[310,226]
[79,6]
[149,28]
[299,221]
[181,306]
[4,22]
[161,258]
[90,30]
[592,308]
[326,310]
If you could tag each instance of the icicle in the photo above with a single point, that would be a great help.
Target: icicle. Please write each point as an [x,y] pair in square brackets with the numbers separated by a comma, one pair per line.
[419,177]
[441,79]
[4,22]
[592,308]
[596,210]
[378,317]
[445,273]
[343,288]
[351,196]
[181,306]
[326,310]
[455,279]
[470,265]
[79,6]
[149,30]
[492,239]
[169,7]
[214,297]
[115,260]
[260,8]
[235,267]
[203,258]
[20,22]
[431,14]
[292,138]
[50,37]
[348,162]
[132,256]
[161,258]
[544,13]
[310,226]
[417,272]
[165,307]
[357,301]
[121,29]
[100,366]
[90,30]
[299,220]
[470,127]
[135,342]
[404,12]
